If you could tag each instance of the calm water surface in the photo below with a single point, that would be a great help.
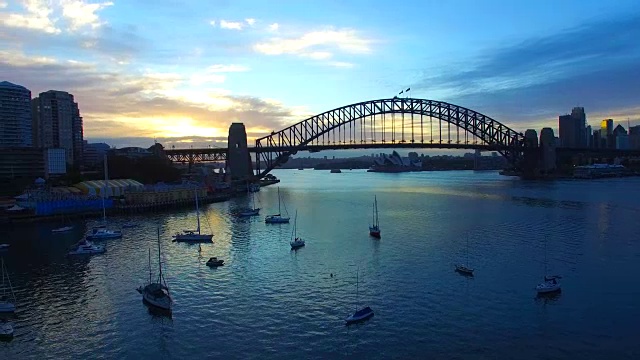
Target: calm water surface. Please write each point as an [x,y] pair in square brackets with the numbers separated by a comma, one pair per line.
[270,302]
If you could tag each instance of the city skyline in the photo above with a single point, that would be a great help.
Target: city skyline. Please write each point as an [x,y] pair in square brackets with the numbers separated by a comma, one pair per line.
[268,66]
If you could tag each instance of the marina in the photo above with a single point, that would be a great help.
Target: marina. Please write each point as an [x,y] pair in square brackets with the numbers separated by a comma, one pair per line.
[406,277]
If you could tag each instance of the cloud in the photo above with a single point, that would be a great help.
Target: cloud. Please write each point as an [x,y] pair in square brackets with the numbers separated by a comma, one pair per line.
[274,27]
[323,41]
[231,25]
[36,16]
[80,13]
[3,4]
[250,21]
[535,80]
[52,17]
[227,68]
[212,23]
[340,64]
[145,104]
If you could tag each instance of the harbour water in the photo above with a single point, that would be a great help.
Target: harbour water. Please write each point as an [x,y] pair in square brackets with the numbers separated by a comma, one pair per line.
[270,302]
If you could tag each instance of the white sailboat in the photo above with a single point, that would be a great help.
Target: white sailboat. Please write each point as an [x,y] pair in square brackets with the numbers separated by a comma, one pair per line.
[362,314]
[296,242]
[551,283]
[253,211]
[193,235]
[374,230]
[465,269]
[278,218]
[157,293]
[8,299]
[101,232]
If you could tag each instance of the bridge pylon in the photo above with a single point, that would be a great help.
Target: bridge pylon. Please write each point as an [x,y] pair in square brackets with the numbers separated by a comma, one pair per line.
[238,159]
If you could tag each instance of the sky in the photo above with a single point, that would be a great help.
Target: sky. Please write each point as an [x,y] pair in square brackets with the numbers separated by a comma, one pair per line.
[182,71]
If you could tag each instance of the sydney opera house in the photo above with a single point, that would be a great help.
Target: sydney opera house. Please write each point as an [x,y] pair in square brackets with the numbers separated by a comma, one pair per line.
[394,163]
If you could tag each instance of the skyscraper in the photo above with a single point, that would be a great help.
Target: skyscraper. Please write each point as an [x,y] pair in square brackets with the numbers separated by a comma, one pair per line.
[57,124]
[572,129]
[606,132]
[15,116]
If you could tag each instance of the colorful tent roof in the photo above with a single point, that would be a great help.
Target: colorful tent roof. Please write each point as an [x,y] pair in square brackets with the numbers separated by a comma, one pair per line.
[110,187]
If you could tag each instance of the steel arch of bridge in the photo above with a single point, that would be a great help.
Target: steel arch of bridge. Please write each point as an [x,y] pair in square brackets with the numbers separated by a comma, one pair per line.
[367,122]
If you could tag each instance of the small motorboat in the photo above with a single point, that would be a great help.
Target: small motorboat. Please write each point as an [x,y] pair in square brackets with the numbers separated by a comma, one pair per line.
[297,243]
[336,171]
[550,285]
[87,248]
[4,247]
[464,270]
[215,262]
[62,229]
[104,234]
[360,315]
[6,330]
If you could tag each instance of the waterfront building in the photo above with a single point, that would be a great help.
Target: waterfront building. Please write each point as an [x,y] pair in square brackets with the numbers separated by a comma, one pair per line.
[19,167]
[15,116]
[57,124]
[93,154]
[572,129]
[55,162]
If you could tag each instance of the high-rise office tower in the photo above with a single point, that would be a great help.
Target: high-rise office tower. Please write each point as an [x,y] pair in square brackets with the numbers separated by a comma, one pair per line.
[57,124]
[15,116]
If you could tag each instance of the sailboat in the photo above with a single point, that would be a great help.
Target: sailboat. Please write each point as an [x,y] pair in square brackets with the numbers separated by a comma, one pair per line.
[277,218]
[193,235]
[551,283]
[465,269]
[296,242]
[63,228]
[359,315]
[157,293]
[8,300]
[253,211]
[374,230]
[101,232]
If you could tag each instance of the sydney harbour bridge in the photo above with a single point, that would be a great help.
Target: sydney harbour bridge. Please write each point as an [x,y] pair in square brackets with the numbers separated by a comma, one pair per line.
[385,123]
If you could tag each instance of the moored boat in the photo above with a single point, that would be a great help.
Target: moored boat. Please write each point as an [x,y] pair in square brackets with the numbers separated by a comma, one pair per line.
[8,299]
[374,230]
[85,247]
[215,262]
[193,235]
[278,218]
[157,293]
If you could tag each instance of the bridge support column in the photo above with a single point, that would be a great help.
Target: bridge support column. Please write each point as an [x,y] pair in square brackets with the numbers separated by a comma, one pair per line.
[238,158]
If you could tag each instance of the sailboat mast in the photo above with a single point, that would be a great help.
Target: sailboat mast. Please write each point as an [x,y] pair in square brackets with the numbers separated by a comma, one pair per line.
[159,261]
[197,211]
[357,285]
[104,189]
[545,257]
[279,201]
[377,218]
[149,265]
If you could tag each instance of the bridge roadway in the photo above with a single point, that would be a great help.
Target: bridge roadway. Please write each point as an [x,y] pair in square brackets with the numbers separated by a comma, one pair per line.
[220,154]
